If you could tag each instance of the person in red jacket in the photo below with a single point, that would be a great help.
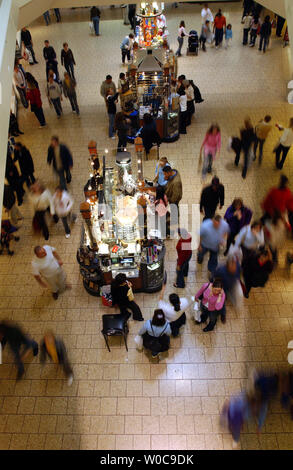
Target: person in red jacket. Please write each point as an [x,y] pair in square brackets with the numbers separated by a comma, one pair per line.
[184,254]
[34,97]
[277,199]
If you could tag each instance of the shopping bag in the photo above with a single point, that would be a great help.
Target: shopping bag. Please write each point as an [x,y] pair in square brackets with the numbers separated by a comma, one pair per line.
[130,294]
[138,341]
[196,312]
[29,56]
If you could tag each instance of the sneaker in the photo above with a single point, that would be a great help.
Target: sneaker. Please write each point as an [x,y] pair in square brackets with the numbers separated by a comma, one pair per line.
[223,319]
[16,239]
[67,235]
[70,380]
[155,354]
[11,253]
[113,137]
[55,295]
[74,112]
[58,117]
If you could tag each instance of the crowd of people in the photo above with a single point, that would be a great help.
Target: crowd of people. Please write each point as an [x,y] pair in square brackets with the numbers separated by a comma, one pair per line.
[249,245]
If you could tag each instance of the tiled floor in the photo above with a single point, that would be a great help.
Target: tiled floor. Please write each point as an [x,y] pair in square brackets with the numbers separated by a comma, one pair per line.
[123,400]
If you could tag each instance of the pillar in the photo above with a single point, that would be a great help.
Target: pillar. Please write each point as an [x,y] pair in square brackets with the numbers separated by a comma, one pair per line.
[8,30]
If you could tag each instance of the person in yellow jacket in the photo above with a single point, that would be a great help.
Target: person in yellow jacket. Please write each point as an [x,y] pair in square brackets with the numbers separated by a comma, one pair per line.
[262,130]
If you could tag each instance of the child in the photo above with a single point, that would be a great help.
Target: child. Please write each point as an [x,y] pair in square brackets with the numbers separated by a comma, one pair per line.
[111,105]
[228,35]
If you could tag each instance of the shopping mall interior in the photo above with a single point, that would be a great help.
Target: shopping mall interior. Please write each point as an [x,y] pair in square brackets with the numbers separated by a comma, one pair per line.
[123,399]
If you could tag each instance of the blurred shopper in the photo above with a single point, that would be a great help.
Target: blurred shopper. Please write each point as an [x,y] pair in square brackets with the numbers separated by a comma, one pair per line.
[211,196]
[57,14]
[265,34]
[33,96]
[26,164]
[229,274]
[27,41]
[219,28]
[54,94]
[205,35]
[95,15]
[250,239]
[126,47]
[248,138]
[162,214]
[47,270]
[13,335]
[174,310]
[237,217]
[112,100]
[60,157]
[54,348]
[181,35]
[47,18]
[63,204]
[173,189]
[254,29]
[277,199]
[256,270]
[275,230]
[7,235]
[206,14]
[122,295]
[228,35]
[42,203]
[20,83]
[213,234]
[67,60]
[182,111]
[9,203]
[184,255]
[246,27]
[262,130]
[13,178]
[149,133]
[211,147]
[159,171]
[131,14]
[13,126]
[121,125]
[212,303]
[156,333]
[69,86]
[106,85]
[51,59]
[284,145]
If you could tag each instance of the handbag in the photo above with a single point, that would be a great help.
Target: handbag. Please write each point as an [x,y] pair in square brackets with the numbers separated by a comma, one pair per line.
[155,342]
[130,294]
[138,341]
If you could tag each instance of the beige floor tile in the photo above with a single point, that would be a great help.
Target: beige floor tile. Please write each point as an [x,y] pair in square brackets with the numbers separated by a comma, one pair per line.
[141,442]
[124,442]
[106,442]
[116,425]
[89,442]
[133,425]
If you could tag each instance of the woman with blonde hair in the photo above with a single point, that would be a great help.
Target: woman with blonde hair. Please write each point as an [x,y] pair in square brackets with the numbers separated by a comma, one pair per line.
[285,143]
[211,146]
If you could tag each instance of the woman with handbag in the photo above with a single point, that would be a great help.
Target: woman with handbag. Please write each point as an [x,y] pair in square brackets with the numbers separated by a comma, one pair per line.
[181,34]
[174,310]
[156,333]
[42,202]
[122,295]
[212,303]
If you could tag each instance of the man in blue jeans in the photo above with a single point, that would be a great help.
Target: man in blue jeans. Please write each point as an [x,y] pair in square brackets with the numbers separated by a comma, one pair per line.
[213,234]
[95,17]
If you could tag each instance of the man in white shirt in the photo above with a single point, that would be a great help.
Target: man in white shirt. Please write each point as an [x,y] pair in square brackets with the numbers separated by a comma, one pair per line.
[285,143]
[47,265]
[206,14]
[19,82]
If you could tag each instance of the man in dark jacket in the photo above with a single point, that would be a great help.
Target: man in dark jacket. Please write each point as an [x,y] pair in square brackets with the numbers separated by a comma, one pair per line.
[26,164]
[15,337]
[256,270]
[13,178]
[211,196]
[51,60]
[60,157]
[28,43]
[95,17]
[265,33]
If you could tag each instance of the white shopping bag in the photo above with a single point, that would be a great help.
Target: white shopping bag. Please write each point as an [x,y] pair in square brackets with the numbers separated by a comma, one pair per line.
[196,311]
[139,342]
[29,56]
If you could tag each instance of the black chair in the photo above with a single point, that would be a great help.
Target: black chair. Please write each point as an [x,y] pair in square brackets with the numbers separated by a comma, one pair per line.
[115,325]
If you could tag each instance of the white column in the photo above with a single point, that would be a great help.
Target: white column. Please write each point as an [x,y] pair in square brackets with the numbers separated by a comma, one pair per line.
[289,18]
[8,29]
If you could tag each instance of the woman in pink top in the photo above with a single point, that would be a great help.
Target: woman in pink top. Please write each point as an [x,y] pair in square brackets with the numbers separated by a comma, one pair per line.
[211,146]
[161,211]
[212,297]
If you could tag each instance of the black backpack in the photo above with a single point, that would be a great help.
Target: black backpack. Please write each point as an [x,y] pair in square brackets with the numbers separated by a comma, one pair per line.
[197,94]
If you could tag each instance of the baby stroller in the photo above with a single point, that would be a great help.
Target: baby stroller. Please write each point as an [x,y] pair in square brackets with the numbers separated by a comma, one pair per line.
[192,43]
